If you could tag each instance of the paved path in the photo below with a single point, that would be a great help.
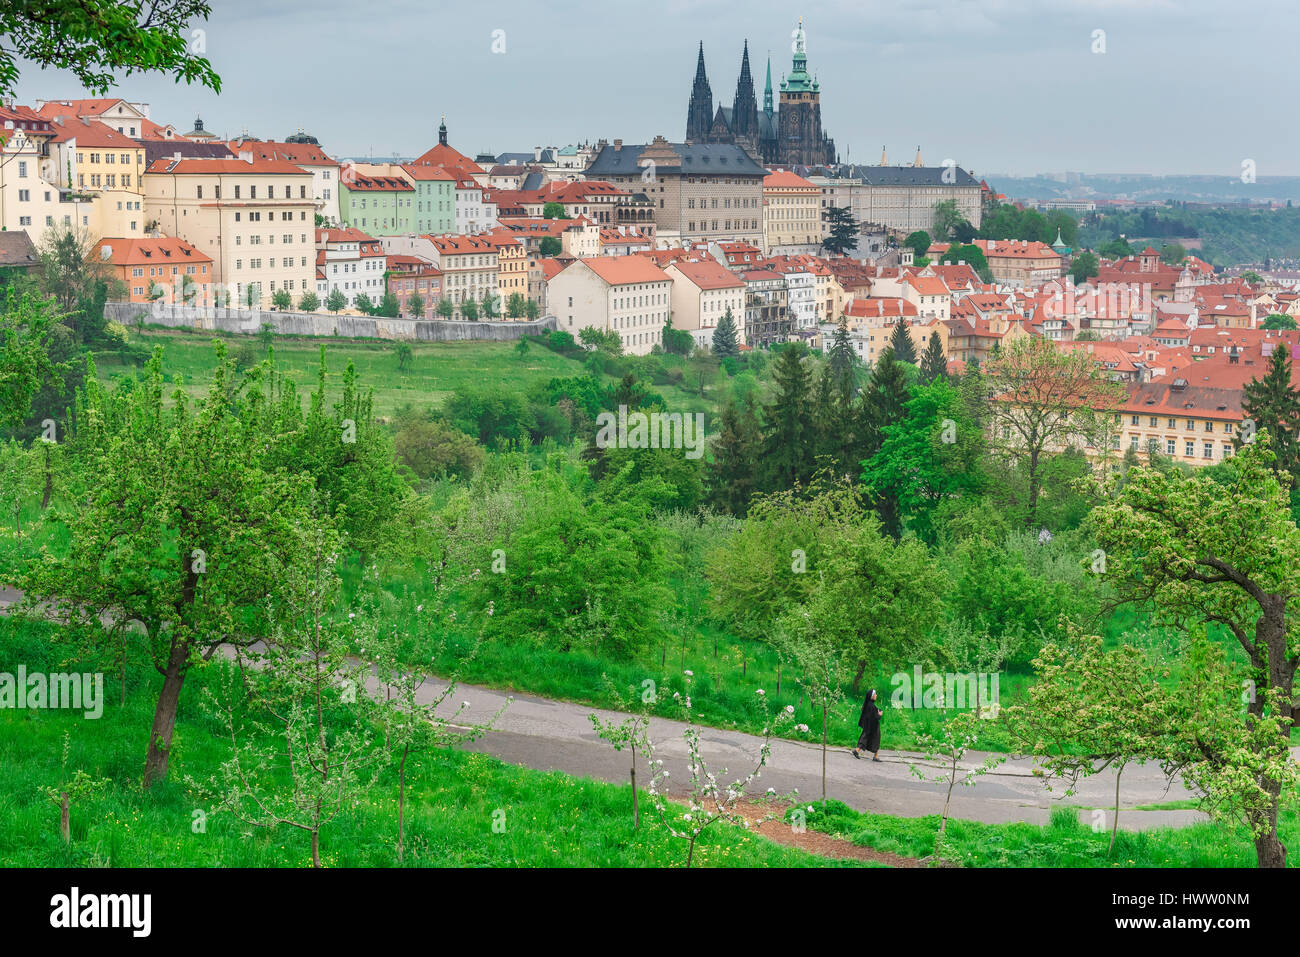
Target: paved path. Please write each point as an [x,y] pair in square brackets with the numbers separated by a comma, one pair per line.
[558,735]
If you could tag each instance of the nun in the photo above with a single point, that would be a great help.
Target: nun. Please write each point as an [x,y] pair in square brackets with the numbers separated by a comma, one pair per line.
[869,722]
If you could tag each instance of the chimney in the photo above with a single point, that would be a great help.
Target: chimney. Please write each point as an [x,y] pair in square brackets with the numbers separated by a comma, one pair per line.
[618,144]
[246,156]
[537,154]
[176,157]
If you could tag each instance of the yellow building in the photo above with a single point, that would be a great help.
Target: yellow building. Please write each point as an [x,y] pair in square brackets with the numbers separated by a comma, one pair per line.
[254,217]
[792,215]
[512,266]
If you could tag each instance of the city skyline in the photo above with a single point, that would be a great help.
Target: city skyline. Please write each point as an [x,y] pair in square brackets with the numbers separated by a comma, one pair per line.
[362,86]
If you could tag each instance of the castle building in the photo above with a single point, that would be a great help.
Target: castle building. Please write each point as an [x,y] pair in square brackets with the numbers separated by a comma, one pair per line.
[787,132]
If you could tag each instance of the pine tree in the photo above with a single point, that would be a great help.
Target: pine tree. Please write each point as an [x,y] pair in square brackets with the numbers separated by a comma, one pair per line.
[731,473]
[884,404]
[842,231]
[900,341]
[788,434]
[842,358]
[724,337]
[1274,406]
[934,364]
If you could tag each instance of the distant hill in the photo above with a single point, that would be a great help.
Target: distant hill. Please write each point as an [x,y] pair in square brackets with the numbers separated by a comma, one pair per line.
[1147,188]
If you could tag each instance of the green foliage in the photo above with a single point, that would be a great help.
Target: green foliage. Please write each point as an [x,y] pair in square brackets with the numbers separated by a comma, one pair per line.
[900,341]
[1278,320]
[553,211]
[549,246]
[919,241]
[415,305]
[973,256]
[496,418]
[677,342]
[309,302]
[281,300]
[1084,267]
[724,337]
[1273,406]
[27,363]
[364,304]
[102,41]
[469,310]
[841,230]
[336,301]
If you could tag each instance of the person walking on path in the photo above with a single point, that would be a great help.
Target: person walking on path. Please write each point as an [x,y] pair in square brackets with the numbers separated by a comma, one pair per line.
[869,722]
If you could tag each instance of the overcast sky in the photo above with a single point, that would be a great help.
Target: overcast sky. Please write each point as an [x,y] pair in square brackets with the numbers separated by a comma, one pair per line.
[1012,86]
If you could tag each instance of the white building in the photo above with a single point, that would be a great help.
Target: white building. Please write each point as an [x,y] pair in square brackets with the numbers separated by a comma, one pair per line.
[351,262]
[703,291]
[629,295]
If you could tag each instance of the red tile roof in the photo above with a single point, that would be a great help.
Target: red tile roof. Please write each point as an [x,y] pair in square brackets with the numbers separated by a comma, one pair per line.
[136,252]
[626,270]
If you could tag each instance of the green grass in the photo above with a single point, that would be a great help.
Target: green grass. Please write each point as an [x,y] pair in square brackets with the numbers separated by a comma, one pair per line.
[437,369]
[1065,842]
[551,819]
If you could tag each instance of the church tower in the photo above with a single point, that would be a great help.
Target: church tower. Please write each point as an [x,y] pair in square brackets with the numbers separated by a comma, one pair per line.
[744,109]
[802,142]
[699,115]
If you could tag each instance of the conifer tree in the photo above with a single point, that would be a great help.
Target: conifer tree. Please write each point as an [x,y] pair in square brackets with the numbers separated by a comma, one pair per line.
[900,341]
[1270,403]
[934,364]
[842,358]
[731,474]
[724,337]
[788,432]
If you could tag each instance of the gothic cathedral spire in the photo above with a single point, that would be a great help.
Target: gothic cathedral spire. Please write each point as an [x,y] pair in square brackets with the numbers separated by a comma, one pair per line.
[744,109]
[699,115]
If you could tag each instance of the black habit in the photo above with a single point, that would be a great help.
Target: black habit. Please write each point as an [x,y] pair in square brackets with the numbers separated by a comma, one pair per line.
[869,722]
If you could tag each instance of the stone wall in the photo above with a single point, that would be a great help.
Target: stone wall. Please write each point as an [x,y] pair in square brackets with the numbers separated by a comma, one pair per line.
[249,322]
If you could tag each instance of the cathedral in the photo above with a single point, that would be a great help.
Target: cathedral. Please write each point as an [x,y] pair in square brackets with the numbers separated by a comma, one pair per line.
[786,135]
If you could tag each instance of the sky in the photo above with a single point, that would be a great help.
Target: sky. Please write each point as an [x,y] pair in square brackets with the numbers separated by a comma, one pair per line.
[999,86]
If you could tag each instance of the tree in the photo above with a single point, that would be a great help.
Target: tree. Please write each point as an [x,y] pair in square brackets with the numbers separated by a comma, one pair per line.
[403,352]
[1278,320]
[100,41]
[531,309]
[72,790]
[516,305]
[919,241]
[841,231]
[388,306]
[947,220]
[1046,399]
[298,718]
[956,737]
[1091,709]
[929,456]
[1253,278]
[491,305]
[336,301]
[27,334]
[724,337]
[1174,254]
[1272,405]
[973,256]
[364,304]
[788,436]
[1117,248]
[309,302]
[549,246]
[553,211]
[446,308]
[253,295]
[730,472]
[874,598]
[934,363]
[180,527]
[469,309]
[1224,552]
[843,360]
[677,342]
[1085,266]
[70,269]
[818,665]
[900,340]
[282,300]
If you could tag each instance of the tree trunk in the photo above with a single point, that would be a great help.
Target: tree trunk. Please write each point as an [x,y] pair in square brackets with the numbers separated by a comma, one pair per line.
[315,848]
[164,716]
[49,481]
[636,812]
[823,750]
[401,800]
[65,826]
[1115,824]
[947,800]
[857,675]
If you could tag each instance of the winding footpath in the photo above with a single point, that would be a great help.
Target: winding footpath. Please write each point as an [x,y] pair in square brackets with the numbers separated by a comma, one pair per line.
[549,735]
